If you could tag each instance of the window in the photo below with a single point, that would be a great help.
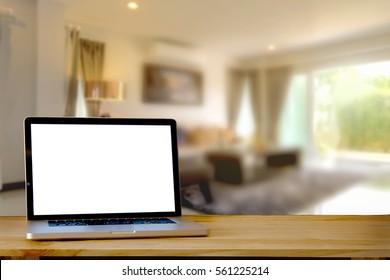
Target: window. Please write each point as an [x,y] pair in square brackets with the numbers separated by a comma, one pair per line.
[352,109]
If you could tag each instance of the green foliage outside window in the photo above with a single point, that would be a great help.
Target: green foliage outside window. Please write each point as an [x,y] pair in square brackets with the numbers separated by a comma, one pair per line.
[352,109]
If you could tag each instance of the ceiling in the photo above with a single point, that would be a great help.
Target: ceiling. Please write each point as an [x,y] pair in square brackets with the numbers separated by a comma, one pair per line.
[238,28]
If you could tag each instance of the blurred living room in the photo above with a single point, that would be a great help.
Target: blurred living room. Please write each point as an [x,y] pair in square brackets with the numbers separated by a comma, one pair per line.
[282,106]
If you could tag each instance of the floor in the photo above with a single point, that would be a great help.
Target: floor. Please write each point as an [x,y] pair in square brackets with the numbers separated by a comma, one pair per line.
[348,189]
[357,200]
[367,197]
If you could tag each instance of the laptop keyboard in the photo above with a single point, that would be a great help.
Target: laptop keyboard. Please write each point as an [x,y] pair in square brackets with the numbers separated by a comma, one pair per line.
[132,221]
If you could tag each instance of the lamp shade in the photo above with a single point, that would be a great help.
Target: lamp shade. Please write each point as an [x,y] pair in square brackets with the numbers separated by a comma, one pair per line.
[104,90]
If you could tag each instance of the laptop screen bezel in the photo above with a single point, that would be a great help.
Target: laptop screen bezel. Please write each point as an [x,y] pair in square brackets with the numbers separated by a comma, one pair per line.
[29,185]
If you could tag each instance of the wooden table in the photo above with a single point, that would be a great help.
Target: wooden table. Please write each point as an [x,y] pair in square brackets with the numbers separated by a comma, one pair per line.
[232,236]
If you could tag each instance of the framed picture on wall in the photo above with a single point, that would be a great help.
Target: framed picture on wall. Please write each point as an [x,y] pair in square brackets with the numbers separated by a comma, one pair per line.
[170,85]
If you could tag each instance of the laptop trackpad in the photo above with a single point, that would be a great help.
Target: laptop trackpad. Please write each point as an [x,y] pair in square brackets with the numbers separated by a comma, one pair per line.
[118,230]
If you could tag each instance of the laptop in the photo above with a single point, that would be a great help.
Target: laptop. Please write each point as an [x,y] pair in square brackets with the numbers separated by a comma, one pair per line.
[92,178]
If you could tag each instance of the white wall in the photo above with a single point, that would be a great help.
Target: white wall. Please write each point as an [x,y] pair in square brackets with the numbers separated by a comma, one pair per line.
[50,58]
[31,74]
[124,59]
[17,84]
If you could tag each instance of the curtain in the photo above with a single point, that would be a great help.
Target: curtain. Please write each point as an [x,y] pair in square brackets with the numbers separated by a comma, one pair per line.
[255,94]
[73,38]
[92,59]
[236,83]
[277,82]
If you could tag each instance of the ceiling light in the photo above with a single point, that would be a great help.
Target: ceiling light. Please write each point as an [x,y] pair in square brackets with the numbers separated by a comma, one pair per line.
[132,5]
[271,47]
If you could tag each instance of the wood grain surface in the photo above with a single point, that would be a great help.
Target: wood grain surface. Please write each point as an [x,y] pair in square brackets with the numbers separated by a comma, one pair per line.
[231,236]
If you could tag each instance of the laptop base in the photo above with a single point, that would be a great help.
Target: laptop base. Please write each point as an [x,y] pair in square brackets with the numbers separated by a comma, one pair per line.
[40,230]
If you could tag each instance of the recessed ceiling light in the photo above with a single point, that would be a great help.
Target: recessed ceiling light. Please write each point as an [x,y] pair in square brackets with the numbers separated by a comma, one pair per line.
[271,47]
[132,5]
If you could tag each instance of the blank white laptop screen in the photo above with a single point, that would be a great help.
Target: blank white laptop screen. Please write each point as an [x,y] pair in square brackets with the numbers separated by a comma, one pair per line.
[100,169]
